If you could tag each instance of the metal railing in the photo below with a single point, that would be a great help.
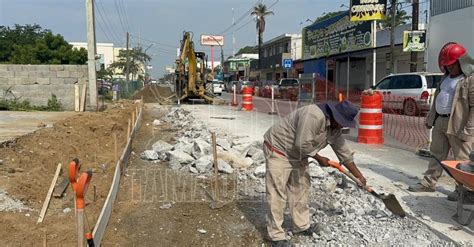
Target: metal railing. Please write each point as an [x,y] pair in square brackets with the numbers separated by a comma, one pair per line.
[444,6]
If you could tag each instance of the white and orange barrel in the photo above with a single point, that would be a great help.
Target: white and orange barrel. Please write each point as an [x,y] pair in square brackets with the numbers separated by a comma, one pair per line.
[371,119]
[247,103]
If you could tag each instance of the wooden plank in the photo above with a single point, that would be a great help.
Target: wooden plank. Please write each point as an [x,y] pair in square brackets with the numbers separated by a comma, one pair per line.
[50,192]
[77,98]
[61,188]
[83,97]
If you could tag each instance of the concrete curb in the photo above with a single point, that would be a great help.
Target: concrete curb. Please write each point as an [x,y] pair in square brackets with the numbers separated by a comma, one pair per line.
[122,163]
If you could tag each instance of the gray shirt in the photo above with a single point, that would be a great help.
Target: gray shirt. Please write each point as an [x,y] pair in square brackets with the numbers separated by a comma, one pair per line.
[304,132]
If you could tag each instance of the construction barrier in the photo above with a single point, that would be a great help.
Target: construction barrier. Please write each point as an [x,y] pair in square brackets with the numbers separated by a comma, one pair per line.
[371,119]
[247,103]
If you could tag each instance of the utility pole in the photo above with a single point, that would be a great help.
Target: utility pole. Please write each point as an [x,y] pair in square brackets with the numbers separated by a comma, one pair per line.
[414,27]
[91,50]
[127,66]
[392,35]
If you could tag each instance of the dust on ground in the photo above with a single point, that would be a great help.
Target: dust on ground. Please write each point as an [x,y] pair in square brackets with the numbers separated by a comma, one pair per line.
[157,205]
[155,94]
[29,163]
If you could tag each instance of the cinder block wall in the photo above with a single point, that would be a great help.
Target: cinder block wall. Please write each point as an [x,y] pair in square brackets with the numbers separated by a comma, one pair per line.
[36,83]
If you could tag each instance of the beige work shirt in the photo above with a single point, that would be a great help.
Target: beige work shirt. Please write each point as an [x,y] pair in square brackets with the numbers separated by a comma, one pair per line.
[304,132]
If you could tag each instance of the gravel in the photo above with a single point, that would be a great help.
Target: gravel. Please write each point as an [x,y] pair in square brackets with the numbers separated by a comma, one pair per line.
[8,204]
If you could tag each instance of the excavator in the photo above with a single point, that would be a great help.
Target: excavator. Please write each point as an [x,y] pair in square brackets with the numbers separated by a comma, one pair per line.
[193,81]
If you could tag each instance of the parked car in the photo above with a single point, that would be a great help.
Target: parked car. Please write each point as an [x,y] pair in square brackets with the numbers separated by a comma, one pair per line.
[288,89]
[411,93]
[218,87]
[266,89]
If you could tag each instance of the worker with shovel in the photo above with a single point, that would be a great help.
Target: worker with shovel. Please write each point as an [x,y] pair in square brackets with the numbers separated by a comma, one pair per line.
[287,147]
[451,115]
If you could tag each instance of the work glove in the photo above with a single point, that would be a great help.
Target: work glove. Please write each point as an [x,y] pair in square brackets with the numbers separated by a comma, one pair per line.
[323,161]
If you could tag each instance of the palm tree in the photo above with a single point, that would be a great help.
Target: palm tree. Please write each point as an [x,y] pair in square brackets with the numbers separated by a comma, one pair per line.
[260,11]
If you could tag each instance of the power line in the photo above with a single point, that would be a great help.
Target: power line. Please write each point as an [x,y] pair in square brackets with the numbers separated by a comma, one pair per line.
[105,28]
[251,19]
[246,14]
[120,16]
[112,30]
[124,12]
[153,41]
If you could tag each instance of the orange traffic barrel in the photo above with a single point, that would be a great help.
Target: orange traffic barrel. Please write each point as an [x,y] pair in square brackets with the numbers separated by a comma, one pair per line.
[371,119]
[247,103]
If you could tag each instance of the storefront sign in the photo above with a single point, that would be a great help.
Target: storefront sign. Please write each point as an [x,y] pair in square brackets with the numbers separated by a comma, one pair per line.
[336,35]
[367,10]
[414,41]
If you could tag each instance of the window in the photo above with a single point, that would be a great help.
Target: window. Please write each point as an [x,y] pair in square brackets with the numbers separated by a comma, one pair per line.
[432,81]
[289,82]
[405,82]
[383,84]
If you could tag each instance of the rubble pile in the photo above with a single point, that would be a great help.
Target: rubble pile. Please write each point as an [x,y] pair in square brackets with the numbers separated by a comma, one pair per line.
[8,204]
[347,214]
[193,150]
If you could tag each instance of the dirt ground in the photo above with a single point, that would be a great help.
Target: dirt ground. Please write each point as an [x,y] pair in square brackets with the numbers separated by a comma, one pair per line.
[137,218]
[155,94]
[29,164]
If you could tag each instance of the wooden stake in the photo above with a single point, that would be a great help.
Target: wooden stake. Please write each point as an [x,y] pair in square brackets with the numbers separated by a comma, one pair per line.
[48,196]
[214,150]
[83,97]
[136,111]
[95,191]
[133,119]
[128,129]
[77,98]
[115,147]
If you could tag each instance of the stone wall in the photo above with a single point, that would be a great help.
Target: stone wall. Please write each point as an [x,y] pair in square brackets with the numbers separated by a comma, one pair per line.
[36,83]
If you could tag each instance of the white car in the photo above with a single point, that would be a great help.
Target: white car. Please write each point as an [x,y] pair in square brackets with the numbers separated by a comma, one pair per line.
[218,87]
[411,93]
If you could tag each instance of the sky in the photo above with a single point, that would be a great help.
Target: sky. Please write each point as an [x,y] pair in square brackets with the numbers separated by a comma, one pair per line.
[162,22]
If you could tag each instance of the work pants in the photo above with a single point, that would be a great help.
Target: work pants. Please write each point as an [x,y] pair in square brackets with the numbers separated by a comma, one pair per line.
[440,146]
[286,181]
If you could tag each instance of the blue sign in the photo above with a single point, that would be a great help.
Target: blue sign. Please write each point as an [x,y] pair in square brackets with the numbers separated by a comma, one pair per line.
[287,63]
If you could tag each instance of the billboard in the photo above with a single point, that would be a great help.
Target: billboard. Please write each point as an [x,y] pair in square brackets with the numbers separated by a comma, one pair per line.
[367,10]
[212,40]
[336,35]
[414,41]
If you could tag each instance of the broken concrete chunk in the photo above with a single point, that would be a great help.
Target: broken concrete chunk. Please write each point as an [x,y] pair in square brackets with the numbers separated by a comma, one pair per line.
[162,146]
[180,156]
[201,148]
[149,155]
[260,188]
[174,164]
[224,167]
[166,206]
[249,161]
[315,171]
[203,164]
[184,146]
[329,186]
[193,170]
[258,156]
[260,171]
[235,160]
[242,149]
[223,143]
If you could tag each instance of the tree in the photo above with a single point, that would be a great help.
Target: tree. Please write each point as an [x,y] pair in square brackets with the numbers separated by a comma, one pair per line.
[137,59]
[401,18]
[30,44]
[247,49]
[260,12]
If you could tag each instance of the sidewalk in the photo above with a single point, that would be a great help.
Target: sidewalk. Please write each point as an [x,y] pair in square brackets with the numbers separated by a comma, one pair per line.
[388,169]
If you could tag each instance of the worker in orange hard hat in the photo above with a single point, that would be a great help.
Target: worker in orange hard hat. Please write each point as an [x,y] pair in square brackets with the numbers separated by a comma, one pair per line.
[451,115]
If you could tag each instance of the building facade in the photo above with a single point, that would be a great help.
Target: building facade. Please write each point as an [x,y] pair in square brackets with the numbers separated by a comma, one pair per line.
[238,67]
[451,20]
[274,51]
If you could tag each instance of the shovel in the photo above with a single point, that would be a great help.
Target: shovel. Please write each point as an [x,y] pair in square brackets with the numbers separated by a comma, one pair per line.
[390,201]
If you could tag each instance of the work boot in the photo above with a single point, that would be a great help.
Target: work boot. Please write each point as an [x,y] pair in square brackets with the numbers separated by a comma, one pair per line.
[420,188]
[280,243]
[313,228]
